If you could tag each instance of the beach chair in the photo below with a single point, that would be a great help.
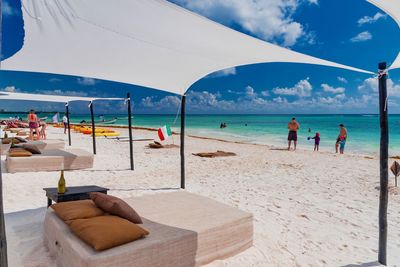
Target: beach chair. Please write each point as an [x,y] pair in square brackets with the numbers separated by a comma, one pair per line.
[185,230]
[51,160]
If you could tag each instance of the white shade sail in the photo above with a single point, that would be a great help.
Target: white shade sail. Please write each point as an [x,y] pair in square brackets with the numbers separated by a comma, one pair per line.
[391,7]
[49,98]
[151,43]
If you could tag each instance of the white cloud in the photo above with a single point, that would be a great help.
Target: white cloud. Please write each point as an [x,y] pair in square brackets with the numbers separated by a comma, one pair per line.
[342,79]
[265,93]
[361,37]
[251,102]
[166,104]
[315,2]
[370,20]
[329,89]
[271,20]
[61,92]
[223,73]
[7,9]
[370,86]
[10,89]
[302,89]
[86,81]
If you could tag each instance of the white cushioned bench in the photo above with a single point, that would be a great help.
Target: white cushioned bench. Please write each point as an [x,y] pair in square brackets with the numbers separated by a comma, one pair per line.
[185,230]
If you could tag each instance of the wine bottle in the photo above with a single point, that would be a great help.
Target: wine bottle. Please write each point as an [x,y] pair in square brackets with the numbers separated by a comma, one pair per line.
[61,184]
[5,135]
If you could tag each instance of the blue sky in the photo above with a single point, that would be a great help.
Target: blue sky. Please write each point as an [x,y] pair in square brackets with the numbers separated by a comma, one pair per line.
[349,32]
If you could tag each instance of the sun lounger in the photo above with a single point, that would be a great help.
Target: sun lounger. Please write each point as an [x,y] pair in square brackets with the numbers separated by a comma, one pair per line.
[49,144]
[51,160]
[185,230]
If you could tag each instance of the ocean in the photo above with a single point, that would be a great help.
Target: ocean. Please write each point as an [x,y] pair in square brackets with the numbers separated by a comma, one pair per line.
[363,130]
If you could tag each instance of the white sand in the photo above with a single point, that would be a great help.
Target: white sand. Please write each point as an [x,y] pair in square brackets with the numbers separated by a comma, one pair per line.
[310,209]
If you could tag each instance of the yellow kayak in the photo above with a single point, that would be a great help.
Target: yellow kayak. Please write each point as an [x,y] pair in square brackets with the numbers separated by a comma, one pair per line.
[108,134]
[98,130]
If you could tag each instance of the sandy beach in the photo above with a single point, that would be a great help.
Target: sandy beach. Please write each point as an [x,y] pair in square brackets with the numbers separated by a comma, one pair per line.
[310,209]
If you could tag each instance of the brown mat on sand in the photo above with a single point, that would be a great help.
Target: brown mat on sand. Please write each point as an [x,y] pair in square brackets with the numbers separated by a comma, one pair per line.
[157,145]
[219,153]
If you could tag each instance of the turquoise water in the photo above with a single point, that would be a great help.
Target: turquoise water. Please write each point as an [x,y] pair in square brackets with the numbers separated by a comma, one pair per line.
[272,129]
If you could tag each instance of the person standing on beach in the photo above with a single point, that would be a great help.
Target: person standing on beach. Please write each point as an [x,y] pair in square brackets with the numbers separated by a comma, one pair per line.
[341,140]
[293,127]
[317,139]
[33,124]
[65,122]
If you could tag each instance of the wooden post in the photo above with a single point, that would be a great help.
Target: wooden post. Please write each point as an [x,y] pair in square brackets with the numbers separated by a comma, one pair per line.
[68,125]
[93,127]
[128,97]
[383,197]
[183,141]
[3,239]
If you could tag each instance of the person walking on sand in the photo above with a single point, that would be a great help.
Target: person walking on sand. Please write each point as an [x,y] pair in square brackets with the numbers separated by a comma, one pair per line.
[33,124]
[65,122]
[341,139]
[293,127]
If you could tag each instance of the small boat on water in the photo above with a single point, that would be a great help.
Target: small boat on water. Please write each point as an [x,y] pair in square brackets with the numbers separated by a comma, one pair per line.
[107,122]
[99,122]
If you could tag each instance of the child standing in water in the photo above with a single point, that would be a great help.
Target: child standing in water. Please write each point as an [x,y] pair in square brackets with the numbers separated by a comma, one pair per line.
[316,138]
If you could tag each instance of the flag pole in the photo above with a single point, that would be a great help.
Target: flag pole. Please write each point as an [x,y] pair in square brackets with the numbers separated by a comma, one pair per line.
[93,127]
[69,128]
[383,197]
[183,142]
[128,99]
[3,239]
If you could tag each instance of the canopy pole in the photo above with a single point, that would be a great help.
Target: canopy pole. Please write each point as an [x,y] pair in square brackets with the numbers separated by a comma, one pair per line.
[128,97]
[3,239]
[93,127]
[183,104]
[383,197]
[68,125]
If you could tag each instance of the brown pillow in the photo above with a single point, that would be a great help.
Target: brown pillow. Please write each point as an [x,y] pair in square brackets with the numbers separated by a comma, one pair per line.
[31,148]
[80,209]
[104,232]
[20,139]
[115,206]
[19,152]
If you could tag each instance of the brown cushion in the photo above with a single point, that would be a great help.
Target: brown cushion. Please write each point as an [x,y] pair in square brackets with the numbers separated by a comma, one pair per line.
[115,206]
[104,232]
[19,152]
[31,148]
[80,209]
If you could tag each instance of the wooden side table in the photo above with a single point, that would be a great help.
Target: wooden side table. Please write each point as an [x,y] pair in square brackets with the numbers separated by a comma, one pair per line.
[72,193]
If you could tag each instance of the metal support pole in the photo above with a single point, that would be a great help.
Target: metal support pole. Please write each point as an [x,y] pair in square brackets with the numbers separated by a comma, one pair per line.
[183,104]
[128,102]
[93,127]
[384,173]
[3,239]
[68,125]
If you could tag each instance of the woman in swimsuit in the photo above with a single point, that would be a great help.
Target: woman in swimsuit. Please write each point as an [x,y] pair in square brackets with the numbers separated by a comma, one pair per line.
[33,124]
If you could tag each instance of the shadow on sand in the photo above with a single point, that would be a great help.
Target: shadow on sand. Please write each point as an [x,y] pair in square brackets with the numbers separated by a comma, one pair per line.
[367,264]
